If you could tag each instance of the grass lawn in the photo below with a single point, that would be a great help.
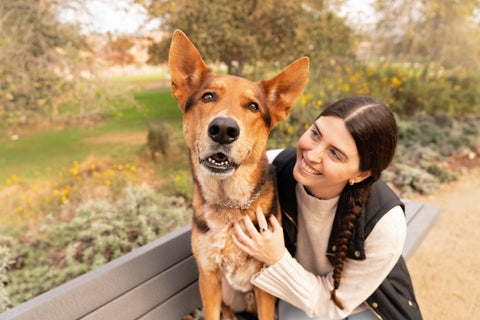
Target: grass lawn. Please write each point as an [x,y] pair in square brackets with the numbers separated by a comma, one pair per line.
[124,134]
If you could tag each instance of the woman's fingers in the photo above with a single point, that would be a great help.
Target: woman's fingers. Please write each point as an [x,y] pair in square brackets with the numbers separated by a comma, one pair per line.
[275,224]
[262,222]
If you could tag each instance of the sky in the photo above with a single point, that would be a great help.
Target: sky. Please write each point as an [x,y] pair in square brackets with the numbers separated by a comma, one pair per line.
[119,18]
[124,18]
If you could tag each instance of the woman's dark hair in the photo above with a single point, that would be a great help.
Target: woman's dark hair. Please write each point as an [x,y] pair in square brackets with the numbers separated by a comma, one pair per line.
[374,130]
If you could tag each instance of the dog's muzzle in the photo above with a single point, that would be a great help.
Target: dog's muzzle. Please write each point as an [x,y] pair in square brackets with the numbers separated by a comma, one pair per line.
[222,131]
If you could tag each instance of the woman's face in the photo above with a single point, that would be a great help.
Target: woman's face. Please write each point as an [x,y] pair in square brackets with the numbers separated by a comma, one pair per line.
[327,158]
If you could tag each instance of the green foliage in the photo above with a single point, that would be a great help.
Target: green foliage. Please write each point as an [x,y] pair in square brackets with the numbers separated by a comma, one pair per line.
[436,34]
[46,71]
[158,139]
[242,33]
[59,250]
[4,262]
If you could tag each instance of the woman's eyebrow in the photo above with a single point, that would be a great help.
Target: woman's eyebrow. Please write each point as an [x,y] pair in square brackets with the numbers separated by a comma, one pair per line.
[332,146]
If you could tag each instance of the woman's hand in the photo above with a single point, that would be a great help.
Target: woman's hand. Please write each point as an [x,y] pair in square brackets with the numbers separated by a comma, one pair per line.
[267,245]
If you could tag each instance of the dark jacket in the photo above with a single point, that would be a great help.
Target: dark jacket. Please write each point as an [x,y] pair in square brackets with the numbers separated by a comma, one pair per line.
[394,299]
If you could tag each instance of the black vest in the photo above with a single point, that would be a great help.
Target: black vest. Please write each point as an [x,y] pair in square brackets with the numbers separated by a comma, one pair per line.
[394,299]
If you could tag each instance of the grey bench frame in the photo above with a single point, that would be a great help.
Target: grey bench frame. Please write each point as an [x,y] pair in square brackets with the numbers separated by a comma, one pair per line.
[158,280]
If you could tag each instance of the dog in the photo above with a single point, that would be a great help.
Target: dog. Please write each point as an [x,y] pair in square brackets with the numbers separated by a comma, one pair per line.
[226,124]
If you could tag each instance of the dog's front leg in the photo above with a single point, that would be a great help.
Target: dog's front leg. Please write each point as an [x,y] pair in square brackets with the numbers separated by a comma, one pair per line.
[265,304]
[211,293]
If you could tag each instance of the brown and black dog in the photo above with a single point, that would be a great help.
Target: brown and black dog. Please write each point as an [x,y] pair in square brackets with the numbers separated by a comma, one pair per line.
[226,123]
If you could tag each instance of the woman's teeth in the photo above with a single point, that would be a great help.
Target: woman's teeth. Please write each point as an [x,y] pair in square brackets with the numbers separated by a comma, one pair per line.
[309,169]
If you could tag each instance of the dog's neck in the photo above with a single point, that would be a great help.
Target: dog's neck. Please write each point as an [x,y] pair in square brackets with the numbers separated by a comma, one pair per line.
[246,205]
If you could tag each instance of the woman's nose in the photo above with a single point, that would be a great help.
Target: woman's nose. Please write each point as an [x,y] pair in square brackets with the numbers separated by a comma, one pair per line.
[316,154]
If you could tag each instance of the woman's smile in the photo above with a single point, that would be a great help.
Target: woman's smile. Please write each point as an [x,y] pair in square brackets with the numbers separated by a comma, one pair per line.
[306,167]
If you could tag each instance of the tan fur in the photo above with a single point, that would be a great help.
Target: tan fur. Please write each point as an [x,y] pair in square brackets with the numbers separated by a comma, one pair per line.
[224,268]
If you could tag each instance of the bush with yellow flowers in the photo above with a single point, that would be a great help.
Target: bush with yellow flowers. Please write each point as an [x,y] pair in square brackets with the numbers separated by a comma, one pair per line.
[91,213]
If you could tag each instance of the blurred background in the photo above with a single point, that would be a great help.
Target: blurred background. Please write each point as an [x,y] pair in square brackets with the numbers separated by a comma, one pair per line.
[92,158]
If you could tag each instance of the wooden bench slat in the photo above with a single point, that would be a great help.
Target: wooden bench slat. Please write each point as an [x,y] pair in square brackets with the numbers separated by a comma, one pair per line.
[412,208]
[418,228]
[92,290]
[150,294]
[178,306]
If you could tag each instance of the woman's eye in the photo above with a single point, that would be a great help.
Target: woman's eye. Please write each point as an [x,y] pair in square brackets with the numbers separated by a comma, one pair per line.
[208,97]
[253,106]
[335,154]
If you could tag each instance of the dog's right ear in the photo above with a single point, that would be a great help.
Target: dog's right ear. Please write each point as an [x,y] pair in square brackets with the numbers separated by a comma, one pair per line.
[187,68]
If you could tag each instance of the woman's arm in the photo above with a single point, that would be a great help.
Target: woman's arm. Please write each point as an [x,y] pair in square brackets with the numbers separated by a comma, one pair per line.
[289,281]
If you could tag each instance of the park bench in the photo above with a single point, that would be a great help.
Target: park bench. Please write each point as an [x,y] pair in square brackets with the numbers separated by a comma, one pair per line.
[159,280]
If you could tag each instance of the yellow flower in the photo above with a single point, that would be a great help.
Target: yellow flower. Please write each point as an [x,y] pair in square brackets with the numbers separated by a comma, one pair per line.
[19,209]
[60,174]
[92,167]
[303,100]
[55,192]
[108,182]
[457,88]
[396,82]
[290,129]
[120,167]
[74,171]
[307,126]
[346,87]
[9,181]
[133,168]
[177,178]
[75,163]
[127,166]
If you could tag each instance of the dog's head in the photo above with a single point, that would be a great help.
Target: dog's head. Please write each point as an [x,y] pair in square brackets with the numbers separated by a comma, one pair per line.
[227,119]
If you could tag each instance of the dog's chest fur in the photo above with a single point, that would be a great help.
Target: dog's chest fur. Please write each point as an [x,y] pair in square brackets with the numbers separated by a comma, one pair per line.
[215,249]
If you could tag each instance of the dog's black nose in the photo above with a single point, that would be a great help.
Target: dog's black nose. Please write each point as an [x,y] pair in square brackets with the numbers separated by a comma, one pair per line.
[223,130]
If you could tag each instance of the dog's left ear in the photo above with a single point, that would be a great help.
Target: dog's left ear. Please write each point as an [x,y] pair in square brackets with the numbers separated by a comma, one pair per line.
[284,89]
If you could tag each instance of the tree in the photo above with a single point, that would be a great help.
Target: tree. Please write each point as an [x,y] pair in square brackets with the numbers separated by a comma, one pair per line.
[46,67]
[247,32]
[439,33]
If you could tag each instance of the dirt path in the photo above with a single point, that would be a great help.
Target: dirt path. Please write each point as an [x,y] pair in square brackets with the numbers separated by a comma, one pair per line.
[446,268]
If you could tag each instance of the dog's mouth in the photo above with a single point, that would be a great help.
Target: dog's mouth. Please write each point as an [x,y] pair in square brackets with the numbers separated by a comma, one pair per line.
[219,163]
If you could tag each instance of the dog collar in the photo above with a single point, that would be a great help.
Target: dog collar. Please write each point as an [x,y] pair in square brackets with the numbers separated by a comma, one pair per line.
[246,206]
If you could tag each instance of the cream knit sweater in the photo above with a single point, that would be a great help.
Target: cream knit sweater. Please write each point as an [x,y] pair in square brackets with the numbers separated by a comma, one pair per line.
[306,280]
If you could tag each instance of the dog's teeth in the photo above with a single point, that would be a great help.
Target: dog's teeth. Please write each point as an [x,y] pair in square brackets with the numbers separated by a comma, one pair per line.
[219,163]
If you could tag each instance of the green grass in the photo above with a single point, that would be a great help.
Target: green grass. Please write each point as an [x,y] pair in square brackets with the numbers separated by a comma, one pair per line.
[31,155]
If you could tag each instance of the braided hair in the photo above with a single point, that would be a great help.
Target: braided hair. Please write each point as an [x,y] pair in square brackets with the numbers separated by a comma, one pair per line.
[374,130]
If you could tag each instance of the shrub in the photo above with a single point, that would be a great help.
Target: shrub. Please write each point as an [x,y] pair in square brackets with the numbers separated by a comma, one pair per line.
[4,261]
[58,250]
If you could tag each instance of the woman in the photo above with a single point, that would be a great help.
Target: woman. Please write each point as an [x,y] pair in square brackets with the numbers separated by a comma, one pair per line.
[344,228]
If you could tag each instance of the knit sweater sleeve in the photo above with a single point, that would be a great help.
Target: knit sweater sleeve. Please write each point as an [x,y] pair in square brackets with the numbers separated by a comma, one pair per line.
[289,281]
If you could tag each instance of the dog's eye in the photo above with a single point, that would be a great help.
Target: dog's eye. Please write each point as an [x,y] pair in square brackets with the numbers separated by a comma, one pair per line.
[253,106]
[208,97]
